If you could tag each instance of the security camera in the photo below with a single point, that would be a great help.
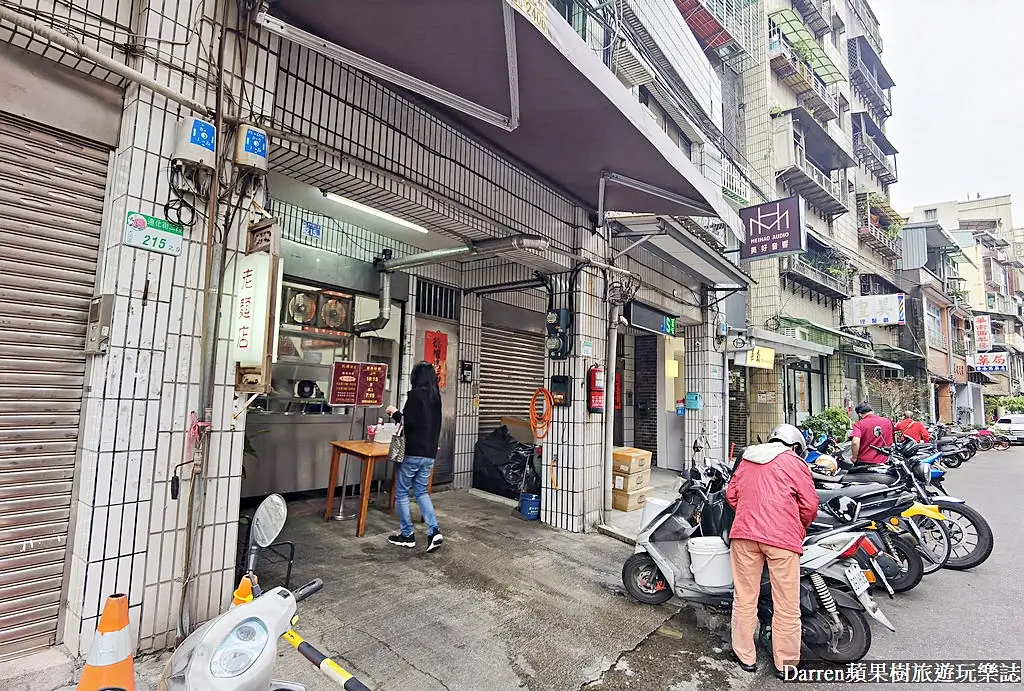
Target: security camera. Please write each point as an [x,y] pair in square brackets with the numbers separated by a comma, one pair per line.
[623,320]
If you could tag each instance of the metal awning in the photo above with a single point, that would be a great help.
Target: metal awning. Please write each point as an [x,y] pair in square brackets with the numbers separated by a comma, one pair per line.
[873,360]
[576,122]
[988,378]
[786,345]
[881,75]
[826,151]
[676,245]
[827,329]
[800,37]
[899,353]
[871,128]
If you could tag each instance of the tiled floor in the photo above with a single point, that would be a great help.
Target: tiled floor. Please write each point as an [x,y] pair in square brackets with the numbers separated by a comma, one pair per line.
[626,524]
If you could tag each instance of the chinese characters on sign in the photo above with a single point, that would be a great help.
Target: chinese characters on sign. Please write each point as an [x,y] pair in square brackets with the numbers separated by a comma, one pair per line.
[983,332]
[153,234]
[760,357]
[909,672]
[879,309]
[774,229]
[358,384]
[436,353]
[991,362]
[252,309]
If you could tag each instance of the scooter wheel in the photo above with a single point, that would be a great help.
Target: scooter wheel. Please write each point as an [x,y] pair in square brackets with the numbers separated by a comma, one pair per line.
[952,461]
[643,580]
[855,641]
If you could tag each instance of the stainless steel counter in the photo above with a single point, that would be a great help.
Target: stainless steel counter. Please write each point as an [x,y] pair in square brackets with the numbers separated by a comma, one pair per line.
[294,453]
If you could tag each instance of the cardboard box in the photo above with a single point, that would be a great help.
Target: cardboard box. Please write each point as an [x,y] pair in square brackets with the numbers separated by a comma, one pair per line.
[632,482]
[626,460]
[520,429]
[629,501]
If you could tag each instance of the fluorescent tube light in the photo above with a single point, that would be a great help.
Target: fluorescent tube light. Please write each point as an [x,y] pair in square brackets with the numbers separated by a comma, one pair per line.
[374,212]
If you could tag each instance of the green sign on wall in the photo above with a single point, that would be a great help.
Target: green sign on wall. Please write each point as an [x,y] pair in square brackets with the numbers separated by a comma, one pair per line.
[153,234]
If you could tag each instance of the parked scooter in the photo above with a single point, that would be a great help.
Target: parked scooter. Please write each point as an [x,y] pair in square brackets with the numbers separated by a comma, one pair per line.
[834,599]
[236,651]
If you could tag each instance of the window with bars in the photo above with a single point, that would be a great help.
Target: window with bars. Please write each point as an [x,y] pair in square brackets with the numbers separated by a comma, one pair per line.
[439,301]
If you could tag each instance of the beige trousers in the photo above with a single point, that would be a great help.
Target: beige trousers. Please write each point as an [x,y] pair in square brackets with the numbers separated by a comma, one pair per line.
[748,559]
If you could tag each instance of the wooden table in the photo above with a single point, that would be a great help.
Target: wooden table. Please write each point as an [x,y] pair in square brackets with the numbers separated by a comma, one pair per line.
[369,453]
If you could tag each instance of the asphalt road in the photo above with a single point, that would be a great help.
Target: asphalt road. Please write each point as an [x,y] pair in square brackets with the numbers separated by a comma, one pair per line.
[963,615]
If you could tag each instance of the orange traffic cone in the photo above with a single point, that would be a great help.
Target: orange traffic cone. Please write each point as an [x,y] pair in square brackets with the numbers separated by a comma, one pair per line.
[243,593]
[109,664]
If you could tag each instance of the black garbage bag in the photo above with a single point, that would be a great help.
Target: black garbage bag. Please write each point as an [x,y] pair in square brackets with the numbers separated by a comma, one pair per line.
[504,466]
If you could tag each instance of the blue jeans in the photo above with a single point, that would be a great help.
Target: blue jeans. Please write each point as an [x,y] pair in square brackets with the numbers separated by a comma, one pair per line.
[414,473]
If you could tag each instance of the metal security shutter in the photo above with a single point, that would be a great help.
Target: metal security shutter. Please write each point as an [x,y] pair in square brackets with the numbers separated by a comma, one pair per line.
[511,370]
[51,203]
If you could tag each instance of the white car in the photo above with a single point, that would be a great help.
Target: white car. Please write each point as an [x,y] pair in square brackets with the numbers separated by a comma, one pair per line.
[1012,426]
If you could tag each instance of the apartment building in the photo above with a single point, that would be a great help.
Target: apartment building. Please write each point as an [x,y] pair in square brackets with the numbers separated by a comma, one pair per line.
[816,99]
[992,286]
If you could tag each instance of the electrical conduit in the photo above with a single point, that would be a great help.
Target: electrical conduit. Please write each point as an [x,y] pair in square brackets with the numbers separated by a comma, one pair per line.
[614,312]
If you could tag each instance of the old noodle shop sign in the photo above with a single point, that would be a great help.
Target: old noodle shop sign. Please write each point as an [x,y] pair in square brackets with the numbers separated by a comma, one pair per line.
[992,362]
[358,384]
[774,229]
[253,286]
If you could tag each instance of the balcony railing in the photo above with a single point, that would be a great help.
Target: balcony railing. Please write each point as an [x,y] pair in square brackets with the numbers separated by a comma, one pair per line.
[816,13]
[873,91]
[873,33]
[828,195]
[959,348]
[876,238]
[734,185]
[1002,305]
[937,339]
[874,158]
[798,75]
[799,271]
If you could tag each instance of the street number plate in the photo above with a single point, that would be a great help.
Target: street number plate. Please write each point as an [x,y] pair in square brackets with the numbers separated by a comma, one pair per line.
[857,580]
[153,234]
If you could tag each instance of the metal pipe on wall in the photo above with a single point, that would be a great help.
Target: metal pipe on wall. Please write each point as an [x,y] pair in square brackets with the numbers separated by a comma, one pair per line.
[120,69]
[614,312]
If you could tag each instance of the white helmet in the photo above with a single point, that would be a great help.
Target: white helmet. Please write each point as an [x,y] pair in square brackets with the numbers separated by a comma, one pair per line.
[825,465]
[791,437]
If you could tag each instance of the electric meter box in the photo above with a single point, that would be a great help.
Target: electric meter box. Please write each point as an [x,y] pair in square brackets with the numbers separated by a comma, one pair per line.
[251,148]
[196,142]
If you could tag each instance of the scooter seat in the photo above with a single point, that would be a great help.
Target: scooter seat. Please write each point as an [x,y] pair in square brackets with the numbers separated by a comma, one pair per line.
[852,491]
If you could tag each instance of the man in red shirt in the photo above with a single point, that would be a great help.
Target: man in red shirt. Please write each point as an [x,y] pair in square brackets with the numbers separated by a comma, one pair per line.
[912,428]
[870,430]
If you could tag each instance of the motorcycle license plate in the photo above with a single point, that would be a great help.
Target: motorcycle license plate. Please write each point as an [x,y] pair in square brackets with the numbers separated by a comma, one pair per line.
[856,578]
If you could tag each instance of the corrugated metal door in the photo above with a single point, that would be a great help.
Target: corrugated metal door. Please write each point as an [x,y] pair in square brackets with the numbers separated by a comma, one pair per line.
[51,204]
[511,370]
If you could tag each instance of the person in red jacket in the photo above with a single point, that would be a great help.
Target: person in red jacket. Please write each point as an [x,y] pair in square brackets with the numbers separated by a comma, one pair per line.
[912,428]
[773,495]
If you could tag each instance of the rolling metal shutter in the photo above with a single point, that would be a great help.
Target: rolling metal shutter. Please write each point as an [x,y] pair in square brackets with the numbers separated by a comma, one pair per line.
[511,370]
[51,204]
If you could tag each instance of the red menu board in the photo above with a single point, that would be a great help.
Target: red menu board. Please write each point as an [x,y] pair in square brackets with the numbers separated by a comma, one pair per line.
[358,384]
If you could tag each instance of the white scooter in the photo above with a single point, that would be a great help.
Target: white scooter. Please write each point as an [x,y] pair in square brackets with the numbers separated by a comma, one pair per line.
[236,651]
[834,597]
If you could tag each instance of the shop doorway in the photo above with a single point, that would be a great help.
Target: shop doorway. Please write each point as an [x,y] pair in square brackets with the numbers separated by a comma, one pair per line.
[51,213]
[512,360]
[619,425]
[806,387]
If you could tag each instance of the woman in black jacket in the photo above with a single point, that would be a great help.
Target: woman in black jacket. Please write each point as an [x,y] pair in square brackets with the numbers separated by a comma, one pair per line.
[421,418]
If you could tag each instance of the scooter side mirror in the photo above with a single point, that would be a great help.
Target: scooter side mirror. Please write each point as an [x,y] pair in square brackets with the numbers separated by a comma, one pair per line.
[267,524]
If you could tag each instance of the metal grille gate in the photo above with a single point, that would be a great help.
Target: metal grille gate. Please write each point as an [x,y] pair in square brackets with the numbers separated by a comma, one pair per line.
[51,205]
[511,370]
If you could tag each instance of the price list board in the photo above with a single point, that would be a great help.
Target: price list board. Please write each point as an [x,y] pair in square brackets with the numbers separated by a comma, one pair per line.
[358,384]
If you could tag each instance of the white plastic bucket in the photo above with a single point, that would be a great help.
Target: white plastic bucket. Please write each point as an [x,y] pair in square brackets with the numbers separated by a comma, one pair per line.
[652,507]
[709,562]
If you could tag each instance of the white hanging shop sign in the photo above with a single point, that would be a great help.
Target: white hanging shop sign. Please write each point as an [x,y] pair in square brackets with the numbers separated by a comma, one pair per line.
[255,303]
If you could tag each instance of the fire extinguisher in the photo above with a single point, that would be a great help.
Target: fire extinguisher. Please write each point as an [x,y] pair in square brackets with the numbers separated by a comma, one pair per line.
[595,389]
